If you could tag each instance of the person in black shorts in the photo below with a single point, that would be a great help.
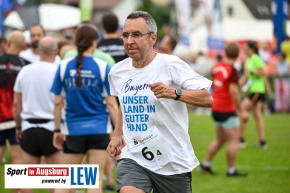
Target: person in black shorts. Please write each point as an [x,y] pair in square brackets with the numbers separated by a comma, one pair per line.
[10,65]
[84,80]
[33,108]
[255,77]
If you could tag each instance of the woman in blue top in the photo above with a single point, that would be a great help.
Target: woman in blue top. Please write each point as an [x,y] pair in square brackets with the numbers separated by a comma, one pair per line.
[82,82]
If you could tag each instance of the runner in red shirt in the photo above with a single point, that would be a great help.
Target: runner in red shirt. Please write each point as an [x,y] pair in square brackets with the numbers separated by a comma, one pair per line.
[226,102]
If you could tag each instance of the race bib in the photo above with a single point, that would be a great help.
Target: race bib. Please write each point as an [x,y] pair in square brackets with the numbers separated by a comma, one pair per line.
[148,147]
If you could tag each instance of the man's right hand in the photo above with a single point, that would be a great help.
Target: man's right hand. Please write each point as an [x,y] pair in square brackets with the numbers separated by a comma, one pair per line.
[115,146]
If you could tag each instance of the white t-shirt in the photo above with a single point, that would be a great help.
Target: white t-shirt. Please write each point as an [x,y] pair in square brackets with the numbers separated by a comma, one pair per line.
[29,55]
[32,57]
[156,130]
[34,82]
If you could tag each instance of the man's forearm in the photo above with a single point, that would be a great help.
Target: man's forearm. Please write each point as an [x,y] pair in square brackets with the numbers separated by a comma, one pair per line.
[112,106]
[200,98]
[17,119]
[57,117]
[17,108]
[58,105]
[118,131]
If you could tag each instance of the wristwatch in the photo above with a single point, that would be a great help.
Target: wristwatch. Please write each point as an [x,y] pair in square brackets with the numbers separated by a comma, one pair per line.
[178,93]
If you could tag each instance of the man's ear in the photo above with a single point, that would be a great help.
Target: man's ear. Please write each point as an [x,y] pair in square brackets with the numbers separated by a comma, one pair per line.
[153,38]
[56,51]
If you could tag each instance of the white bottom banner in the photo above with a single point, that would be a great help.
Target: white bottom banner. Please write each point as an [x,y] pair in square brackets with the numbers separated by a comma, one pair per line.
[51,176]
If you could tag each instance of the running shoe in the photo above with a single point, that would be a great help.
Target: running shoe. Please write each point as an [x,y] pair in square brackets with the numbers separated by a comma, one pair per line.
[206,169]
[242,143]
[236,174]
[262,144]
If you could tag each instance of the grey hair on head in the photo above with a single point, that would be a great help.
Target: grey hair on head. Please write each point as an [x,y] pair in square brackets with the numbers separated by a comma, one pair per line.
[151,24]
[47,45]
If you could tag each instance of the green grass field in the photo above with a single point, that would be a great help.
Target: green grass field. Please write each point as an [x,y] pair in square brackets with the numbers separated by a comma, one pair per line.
[268,170]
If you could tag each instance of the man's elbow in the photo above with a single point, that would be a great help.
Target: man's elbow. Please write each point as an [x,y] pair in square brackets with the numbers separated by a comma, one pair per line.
[58,104]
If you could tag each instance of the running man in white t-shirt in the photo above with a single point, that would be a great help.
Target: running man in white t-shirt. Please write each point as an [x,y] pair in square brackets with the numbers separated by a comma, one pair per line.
[151,133]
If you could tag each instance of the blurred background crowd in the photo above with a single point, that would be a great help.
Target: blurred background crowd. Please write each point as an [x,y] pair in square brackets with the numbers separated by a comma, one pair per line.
[195,30]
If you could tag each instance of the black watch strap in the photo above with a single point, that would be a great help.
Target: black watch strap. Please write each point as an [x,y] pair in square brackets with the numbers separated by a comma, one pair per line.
[178,93]
[177,97]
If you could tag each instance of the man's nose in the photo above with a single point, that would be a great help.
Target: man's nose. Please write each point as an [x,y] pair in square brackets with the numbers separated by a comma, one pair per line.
[130,39]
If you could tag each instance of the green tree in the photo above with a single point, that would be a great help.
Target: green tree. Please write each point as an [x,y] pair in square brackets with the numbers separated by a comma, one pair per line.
[159,13]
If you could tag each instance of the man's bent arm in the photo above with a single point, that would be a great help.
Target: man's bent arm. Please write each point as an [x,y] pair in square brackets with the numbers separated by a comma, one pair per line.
[200,98]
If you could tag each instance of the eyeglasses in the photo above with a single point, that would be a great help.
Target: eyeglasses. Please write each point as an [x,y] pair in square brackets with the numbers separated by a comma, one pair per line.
[135,35]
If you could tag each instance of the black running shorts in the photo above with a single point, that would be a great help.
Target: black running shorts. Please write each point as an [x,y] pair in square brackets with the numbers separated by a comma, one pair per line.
[37,141]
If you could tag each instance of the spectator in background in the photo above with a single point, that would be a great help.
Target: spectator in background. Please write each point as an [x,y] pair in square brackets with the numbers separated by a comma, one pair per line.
[166,29]
[65,46]
[33,107]
[36,33]
[254,74]
[112,43]
[282,88]
[285,48]
[97,53]
[32,53]
[3,42]
[27,39]
[264,53]
[219,58]
[65,49]
[168,44]
[226,103]
[10,65]
[82,82]
[202,65]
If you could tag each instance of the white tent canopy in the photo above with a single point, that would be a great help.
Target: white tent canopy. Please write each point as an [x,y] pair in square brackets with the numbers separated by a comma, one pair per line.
[233,30]
[53,17]
[238,29]
[13,20]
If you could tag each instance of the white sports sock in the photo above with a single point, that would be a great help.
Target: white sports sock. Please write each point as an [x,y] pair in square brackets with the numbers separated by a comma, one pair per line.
[206,163]
[231,170]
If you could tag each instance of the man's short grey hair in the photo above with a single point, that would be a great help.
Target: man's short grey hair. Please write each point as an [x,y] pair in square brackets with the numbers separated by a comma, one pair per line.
[151,24]
[47,45]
